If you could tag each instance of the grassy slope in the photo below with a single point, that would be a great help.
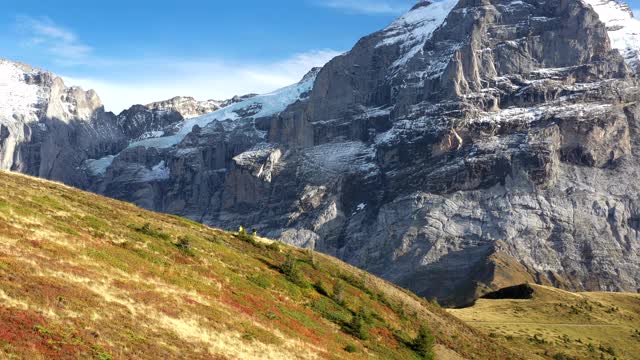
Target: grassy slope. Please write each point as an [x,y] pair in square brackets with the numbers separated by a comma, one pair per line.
[557,322]
[81,276]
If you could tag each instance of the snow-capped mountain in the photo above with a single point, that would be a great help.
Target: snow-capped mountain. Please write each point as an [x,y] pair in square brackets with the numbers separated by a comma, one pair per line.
[48,129]
[469,145]
[624,29]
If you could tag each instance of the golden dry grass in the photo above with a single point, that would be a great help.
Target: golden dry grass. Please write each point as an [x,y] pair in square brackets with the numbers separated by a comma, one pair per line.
[82,276]
[557,324]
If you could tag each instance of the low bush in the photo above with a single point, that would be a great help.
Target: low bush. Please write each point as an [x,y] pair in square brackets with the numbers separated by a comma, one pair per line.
[184,244]
[608,350]
[146,229]
[274,246]
[351,348]
[320,288]
[290,269]
[423,343]
[538,339]
[261,280]
[327,310]
[358,326]
[246,237]
[563,356]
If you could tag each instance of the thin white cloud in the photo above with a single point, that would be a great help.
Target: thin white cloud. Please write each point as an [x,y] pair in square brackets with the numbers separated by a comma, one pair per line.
[122,82]
[143,81]
[636,13]
[374,7]
[43,33]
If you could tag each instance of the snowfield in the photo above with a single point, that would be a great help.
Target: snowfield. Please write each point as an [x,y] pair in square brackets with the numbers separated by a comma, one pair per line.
[16,96]
[413,29]
[252,108]
[624,29]
[261,106]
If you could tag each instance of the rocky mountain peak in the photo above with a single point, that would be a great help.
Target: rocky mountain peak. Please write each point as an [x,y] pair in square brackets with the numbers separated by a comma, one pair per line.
[421,3]
[34,93]
[187,106]
[312,74]
[19,96]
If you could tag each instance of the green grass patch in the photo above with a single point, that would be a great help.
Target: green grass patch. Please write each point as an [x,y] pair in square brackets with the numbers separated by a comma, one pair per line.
[148,230]
[262,280]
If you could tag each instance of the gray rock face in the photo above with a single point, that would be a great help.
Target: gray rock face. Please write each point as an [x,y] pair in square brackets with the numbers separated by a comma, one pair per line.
[49,130]
[189,107]
[141,121]
[470,145]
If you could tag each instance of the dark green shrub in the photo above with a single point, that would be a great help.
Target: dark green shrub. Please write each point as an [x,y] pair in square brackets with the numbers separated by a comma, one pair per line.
[608,350]
[274,246]
[290,269]
[538,339]
[246,237]
[351,348]
[324,308]
[358,325]
[561,356]
[271,316]
[146,229]
[320,288]
[359,282]
[261,280]
[184,244]
[423,343]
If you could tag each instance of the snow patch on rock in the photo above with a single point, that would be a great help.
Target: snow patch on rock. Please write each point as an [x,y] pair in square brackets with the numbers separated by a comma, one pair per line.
[16,96]
[413,29]
[342,157]
[624,29]
[252,108]
[157,173]
[255,154]
[99,167]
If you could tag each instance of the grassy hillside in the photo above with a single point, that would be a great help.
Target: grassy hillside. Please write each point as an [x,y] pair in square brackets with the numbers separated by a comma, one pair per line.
[82,276]
[556,324]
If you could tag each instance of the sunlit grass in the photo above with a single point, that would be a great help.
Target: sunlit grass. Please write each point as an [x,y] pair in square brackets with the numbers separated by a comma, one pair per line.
[82,276]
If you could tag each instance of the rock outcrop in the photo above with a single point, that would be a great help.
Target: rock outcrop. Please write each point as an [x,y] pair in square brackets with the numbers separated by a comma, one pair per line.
[189,107]
[48,129]
[470,145]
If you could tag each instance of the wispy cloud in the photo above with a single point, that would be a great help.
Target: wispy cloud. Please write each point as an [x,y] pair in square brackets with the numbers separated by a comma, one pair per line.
[43,33]
[122,81]
[144,81]
[375,7]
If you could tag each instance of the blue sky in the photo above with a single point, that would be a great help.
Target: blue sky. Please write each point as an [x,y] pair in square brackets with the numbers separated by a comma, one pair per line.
[138,51]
